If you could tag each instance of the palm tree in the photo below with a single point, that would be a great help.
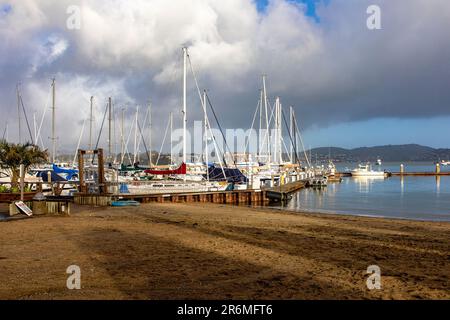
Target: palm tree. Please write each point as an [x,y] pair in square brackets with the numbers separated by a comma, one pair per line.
[13,155]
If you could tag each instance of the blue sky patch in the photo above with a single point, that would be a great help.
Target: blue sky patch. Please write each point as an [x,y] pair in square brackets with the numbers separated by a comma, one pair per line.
[5,8]
[310,6]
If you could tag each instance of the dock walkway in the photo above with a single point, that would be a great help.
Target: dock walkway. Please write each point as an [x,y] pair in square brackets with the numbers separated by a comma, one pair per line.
[283,192]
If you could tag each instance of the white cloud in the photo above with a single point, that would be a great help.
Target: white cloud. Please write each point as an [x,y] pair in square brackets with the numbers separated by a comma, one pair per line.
[335,71]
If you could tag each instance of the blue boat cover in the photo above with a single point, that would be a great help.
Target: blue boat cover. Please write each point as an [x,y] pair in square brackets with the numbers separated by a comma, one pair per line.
[232,175]
[54,176]
[71,173]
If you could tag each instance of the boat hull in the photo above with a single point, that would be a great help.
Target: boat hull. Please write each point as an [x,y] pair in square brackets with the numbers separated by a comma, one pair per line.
[369,174]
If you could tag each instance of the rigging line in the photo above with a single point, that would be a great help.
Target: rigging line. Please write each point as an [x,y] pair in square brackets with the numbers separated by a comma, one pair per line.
[42,143]
[4,131]
[145,127]
[217,150]
[164,140]
[143,140]
[221,131]
[251,129]
[100,133]
[267,133]
[195,79]
[43,115]
[26,119]
[205,111]
[79,143]
[128,141]
[301,141]
[290,138]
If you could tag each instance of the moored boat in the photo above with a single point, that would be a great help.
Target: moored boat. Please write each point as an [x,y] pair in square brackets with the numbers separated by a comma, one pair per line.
[366,171]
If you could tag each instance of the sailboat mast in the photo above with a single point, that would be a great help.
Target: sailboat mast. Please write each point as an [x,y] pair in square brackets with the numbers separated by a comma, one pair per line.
[109,128]
[206,134]
[114,135]
[291,132]
[171,138]
[53,120]
[91,122]
[280,133]
[260,123]
[276,140]
[150,133]
[35,128]
[267,117]
[135,136]
[19,113]
[122,138]
[184,103]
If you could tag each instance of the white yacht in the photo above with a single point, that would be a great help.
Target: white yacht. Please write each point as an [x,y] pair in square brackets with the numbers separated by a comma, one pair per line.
[366,171]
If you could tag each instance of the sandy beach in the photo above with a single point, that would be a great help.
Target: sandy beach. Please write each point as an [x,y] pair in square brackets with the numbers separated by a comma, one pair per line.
[189,251]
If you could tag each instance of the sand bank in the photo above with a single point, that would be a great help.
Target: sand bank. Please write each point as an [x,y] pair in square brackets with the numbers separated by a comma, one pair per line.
[188,251]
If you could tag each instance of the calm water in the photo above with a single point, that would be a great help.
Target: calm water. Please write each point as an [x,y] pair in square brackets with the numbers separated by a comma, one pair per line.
[417,198]
[395,167]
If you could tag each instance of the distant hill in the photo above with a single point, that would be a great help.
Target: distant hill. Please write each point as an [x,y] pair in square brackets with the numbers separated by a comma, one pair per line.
[409,152]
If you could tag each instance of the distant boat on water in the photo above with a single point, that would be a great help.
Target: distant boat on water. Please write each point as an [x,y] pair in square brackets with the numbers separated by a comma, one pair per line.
[366,171]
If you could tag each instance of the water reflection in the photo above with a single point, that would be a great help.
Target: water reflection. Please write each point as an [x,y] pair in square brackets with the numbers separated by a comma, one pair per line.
[365,183]
[402,185]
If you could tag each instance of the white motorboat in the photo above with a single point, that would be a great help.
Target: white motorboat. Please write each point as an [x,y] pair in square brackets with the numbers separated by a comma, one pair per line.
[445,163]
[366,171]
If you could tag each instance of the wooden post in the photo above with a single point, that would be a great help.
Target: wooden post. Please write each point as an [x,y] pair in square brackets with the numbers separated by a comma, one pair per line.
[82,187]
[22,181]
[101,172]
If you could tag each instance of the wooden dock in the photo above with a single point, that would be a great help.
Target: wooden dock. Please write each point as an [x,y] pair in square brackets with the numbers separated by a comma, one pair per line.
[405,174]
[421,174]
[237,197]
[283,192]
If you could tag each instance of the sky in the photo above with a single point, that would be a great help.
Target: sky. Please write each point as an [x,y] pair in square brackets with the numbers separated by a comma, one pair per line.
[350,86]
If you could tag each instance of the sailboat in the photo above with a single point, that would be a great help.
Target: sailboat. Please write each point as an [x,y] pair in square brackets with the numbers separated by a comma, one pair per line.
[168,180]
[272,166]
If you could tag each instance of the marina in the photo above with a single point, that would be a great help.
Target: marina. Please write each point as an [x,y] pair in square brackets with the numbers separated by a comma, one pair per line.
[235,151]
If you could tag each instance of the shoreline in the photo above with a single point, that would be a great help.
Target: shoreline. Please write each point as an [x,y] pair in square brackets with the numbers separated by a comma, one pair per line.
[210,251]
[346,214]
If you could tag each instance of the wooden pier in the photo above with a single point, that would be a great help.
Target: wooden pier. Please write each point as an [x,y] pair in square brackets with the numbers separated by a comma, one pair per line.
[283,192]
[421,174]
[405,174]
[237,197]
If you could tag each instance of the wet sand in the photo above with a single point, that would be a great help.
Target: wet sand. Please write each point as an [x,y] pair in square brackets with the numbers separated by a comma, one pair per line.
[192,251]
